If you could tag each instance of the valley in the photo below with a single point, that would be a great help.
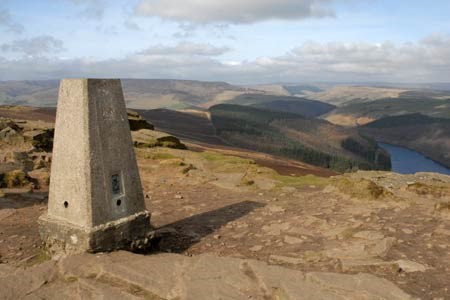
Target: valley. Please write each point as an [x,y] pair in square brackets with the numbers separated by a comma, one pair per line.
[310,140]
[183,108]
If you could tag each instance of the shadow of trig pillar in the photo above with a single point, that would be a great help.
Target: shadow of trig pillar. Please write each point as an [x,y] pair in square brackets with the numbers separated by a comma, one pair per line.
[95,200]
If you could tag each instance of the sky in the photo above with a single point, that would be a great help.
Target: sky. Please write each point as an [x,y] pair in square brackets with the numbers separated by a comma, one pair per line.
[237,41]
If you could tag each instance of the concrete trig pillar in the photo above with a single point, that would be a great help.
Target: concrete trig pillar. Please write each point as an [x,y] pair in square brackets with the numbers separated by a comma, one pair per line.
[95,200]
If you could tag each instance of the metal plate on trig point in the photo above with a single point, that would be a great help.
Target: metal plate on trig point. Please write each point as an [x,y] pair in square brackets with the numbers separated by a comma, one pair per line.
[116,185]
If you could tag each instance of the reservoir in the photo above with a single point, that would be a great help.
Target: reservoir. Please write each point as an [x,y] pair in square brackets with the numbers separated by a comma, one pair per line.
[407,161]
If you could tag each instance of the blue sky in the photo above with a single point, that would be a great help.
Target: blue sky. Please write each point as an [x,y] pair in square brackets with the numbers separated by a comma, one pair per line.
[251,41]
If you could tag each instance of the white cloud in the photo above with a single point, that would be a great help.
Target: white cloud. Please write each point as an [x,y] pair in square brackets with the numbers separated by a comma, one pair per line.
[186,48]
[419,61]
[233,11]
[36,46]
[345,62]
[8,24]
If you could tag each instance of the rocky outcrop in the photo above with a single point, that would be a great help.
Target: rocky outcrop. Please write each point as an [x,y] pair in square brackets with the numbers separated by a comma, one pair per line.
[25,147]
[15,178]
[123,275]
[10,132]
[42,140]
[144,135]
[145,138]
[137,122]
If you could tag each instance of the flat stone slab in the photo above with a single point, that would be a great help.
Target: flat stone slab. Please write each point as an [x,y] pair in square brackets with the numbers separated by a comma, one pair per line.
[7,212]
[123,275]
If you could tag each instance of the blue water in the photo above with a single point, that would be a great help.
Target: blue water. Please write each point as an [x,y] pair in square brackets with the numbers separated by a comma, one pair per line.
[407,161]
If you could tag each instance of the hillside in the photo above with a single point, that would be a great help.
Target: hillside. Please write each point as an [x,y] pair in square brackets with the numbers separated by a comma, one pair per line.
[289,89]
[193,127]
[340,95]
[33,93]
[303,89]
[360,113]
[310,140]
[304,107]
[427,135]
[139,93]
[154,93]
[175,94]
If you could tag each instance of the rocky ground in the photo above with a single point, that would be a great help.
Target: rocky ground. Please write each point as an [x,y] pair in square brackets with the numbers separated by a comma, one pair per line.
[239,230]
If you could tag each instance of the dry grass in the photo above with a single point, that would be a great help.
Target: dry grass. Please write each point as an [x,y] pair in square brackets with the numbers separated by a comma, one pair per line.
[443,207]
[301,181]
[426,189]
[363,189]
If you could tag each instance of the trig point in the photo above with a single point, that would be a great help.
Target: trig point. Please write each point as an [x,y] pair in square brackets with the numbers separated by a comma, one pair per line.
[95,199]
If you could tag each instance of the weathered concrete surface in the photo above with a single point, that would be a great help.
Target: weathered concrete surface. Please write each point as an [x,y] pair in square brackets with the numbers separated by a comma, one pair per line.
[95,185]
[123,275]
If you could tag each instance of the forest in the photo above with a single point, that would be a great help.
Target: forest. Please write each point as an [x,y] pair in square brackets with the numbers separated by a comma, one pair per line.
[253,128]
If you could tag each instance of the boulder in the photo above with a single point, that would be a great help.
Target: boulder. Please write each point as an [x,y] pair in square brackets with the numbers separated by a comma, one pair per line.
[20,159]
[43,141]
[11,136]
[41,177]
[4,123]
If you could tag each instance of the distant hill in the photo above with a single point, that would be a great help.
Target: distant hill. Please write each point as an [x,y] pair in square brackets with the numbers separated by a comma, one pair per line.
[139,93]
[360,113]
[341,95]
[272,89]
[174,94]
[415,119]
[288,89]
[301,89]
[309,140]
[427,135]
[304,107]
[167,93]
[39,93]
